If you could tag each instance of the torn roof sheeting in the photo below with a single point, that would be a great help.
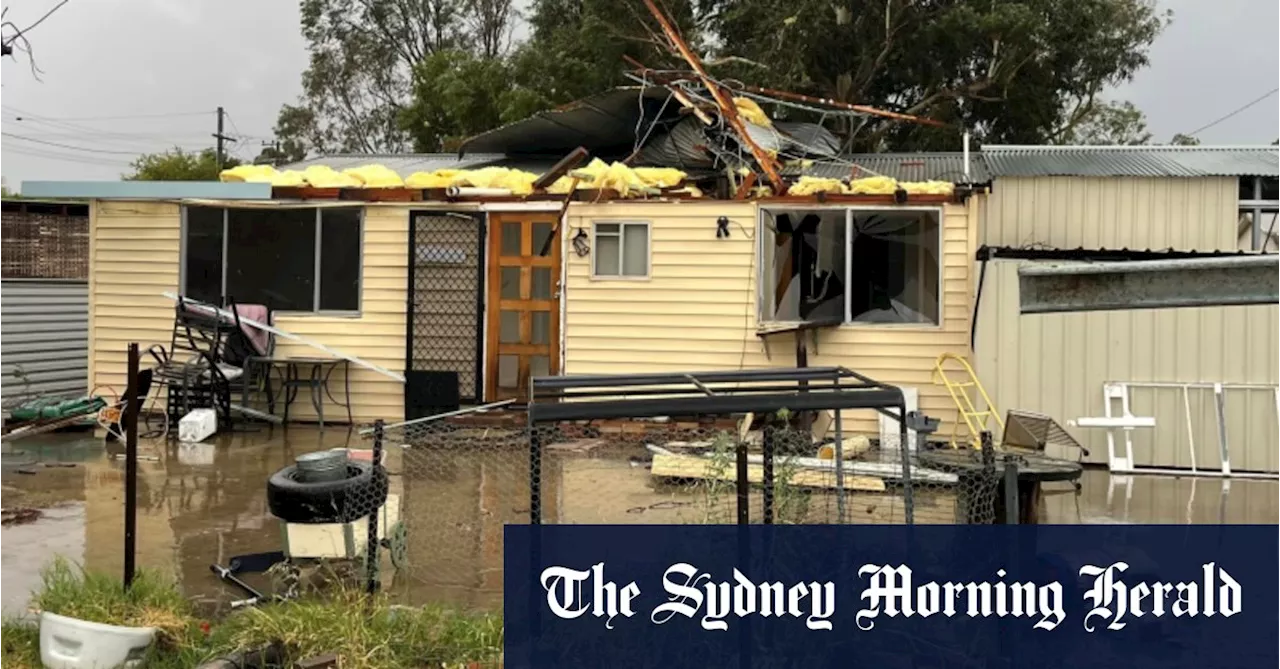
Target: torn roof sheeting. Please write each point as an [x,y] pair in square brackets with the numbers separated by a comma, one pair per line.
[609,126]
[604,124]
[919,166]
[1131,161]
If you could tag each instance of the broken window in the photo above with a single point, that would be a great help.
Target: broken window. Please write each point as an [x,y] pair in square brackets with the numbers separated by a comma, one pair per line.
[850,265]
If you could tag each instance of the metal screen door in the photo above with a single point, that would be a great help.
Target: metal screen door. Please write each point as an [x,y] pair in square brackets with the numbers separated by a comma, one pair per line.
[446,288]
[524,302]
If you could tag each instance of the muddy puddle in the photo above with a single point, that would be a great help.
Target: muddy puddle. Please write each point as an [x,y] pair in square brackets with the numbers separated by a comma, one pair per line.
[205,503]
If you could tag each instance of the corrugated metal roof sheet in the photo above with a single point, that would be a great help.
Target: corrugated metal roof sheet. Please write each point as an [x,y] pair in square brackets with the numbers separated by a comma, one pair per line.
[936,166]
[404,164]
[1131,161]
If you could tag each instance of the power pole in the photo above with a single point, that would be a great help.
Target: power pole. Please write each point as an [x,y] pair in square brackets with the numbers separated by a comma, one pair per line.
[221,138]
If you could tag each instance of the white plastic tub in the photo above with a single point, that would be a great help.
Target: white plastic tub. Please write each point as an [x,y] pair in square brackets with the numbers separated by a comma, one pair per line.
[67,643]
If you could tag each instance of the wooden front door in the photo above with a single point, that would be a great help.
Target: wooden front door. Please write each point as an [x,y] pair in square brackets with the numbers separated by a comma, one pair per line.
[523,332]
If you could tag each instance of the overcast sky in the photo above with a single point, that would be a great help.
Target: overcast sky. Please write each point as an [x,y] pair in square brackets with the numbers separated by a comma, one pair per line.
[127,76]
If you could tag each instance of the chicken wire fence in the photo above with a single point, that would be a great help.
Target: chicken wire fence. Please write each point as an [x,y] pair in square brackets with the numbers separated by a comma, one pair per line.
[454,482]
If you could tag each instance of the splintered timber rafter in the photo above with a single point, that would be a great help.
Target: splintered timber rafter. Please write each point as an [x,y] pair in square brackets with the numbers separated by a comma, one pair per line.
[727,108]
[668,77]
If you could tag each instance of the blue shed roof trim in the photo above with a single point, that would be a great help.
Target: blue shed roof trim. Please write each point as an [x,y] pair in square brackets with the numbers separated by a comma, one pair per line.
[146,190]
[1131,161]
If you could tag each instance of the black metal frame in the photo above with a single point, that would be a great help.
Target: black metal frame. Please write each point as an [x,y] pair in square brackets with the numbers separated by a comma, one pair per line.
[482,226]
[567,398]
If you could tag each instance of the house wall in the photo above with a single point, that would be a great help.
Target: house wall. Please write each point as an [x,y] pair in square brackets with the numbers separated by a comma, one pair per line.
[1112,212]
[697,311]
[134,257]
[1056,364]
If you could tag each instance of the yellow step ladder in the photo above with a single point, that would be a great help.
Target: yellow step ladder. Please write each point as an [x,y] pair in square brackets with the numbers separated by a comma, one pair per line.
[975,419]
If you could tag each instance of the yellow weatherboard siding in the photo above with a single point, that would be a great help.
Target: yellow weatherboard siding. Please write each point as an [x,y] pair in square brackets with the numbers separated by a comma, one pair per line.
[697,310]
[134,257]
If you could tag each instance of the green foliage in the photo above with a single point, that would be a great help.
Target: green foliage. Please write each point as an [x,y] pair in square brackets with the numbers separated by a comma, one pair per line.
[179,165]
[1118,123]
[457,94]
[387,74]
[1184,140]
[1013,71]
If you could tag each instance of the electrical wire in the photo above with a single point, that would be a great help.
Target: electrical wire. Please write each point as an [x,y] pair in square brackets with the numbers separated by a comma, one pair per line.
[79,159]
[117,118]
[1202,128]
[72,146]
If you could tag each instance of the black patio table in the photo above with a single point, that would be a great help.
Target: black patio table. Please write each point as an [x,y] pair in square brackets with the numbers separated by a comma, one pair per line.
[319,372]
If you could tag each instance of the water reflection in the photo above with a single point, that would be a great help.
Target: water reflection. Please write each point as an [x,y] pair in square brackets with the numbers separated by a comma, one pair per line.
[204,503]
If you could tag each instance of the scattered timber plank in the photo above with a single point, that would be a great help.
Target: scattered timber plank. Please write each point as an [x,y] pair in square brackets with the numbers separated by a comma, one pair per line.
[577,446]
[692,467]
[886,470]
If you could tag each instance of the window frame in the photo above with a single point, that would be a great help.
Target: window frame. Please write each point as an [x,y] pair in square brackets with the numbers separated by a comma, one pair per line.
[1255,206]
[849,211]
[316,281]
[621,235]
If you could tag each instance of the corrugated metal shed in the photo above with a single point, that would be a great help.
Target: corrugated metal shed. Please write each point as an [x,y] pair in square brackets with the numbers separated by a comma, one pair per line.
[44,337]
[936,166]
[1131,161]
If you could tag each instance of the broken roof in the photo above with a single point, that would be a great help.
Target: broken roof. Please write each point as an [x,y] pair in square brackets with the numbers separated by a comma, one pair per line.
[605,124]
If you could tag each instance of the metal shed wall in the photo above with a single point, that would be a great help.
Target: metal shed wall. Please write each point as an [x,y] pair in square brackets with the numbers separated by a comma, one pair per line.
[44,333]
[1056,364]
[1112,212]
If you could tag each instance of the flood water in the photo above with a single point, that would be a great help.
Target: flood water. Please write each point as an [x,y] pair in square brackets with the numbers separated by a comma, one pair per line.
[205,503]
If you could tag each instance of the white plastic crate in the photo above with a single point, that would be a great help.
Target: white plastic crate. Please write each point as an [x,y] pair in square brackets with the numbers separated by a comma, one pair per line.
[198,425]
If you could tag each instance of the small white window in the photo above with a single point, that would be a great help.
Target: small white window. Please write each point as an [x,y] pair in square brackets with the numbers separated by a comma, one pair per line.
[621,249]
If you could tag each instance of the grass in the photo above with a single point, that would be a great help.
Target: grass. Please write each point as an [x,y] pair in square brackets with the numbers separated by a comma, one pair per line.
[152,601]
[365,633]
[19,645]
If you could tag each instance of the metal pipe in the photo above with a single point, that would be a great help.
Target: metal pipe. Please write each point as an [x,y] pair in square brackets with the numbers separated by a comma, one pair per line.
[1010,490]
[967,178]
[768,474]
[131,467]
[908,494]
[371,538]
[467,191]
[744,485]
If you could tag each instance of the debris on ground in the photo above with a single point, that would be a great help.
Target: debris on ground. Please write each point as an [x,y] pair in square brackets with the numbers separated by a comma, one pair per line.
[19,515]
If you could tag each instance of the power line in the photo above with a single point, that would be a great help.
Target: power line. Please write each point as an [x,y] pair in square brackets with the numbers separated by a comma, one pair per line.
[84,160]
[72,146]
[1197,131]
[128,117]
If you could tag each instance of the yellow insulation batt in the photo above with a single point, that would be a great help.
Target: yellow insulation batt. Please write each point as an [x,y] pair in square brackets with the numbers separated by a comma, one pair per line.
[261,174]
[323,176]
[812,185]
[375,176]
[752,113]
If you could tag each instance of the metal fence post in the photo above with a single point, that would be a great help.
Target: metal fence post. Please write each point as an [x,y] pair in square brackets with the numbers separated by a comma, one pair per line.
[908,495]
[131,467]
[768,474]
[535,474]
[744,485]
[1010,490]
[371,543]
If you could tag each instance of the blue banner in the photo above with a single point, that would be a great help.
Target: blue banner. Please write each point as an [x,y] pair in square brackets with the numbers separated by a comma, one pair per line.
[892,596]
